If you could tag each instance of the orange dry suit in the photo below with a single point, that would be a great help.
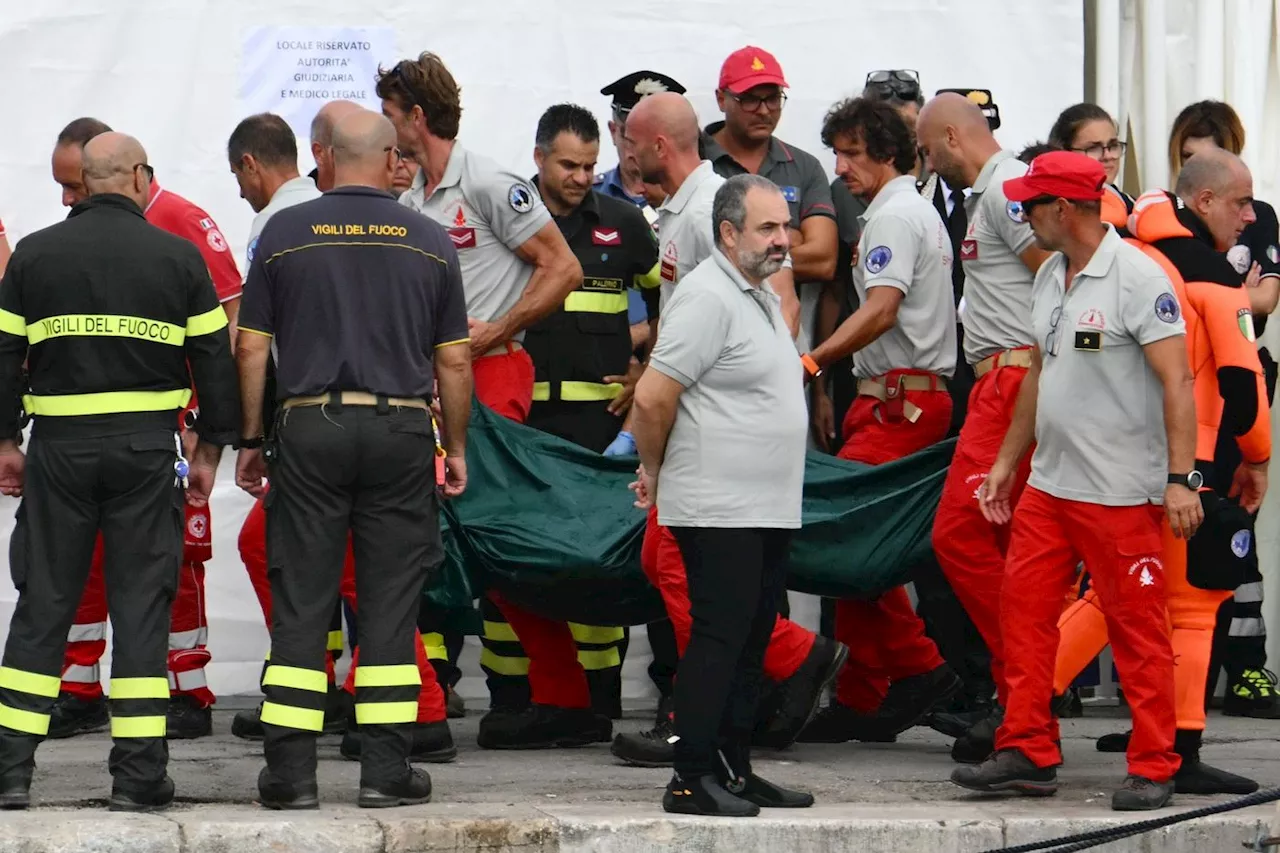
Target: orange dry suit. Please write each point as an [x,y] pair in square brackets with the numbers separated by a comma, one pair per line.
[1229,394]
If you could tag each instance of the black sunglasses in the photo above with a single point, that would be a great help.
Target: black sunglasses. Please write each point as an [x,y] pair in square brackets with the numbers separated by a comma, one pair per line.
[902,82]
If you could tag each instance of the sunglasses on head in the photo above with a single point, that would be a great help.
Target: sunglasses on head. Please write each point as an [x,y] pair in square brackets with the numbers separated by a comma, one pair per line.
[902,82]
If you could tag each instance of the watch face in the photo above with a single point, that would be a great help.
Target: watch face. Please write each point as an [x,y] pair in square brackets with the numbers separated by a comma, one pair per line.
[1195,480]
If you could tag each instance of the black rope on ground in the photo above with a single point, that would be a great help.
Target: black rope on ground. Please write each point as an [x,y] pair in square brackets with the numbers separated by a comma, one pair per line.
[1085,840]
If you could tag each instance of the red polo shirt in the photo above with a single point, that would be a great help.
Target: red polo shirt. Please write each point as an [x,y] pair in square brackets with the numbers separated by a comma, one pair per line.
[173,213]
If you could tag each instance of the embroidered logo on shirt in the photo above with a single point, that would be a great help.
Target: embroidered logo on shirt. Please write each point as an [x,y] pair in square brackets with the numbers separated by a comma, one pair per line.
[1273,254]
[253,247]
[1014,209]
[198,525]
[878,258]
[791,194]
[463,238]
[668,269]
[969,250]
[1145,578]
[1244,319]
[216,241]
[605,237]
[1240,258]
[1093,319]
[206,223]
[1240,542]
[520,199]
[1167,308]
[459,218]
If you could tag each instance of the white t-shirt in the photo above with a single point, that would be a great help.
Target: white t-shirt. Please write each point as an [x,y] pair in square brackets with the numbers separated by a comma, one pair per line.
[685,236]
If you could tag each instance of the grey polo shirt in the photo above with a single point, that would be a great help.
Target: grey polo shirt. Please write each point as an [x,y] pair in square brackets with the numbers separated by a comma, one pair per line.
[291,192]
[1100,433]
[684,228]
[996,309]
[735,456]
[489,212]
[904,245]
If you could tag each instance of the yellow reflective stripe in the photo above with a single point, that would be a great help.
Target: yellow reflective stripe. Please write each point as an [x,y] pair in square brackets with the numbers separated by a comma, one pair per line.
[137,726]
[30,682]
[598,634]
[139,688]
[393,675]
[13,324]
[500,632]
[583,392]
[106,403]
[593,660]
[208,322]
[289,717]
[386,713]
[596,303]
[105,325]
[541,391]
[503,666]
[335,641]
[312,680]
[433,644]
[28,722]
[652,278]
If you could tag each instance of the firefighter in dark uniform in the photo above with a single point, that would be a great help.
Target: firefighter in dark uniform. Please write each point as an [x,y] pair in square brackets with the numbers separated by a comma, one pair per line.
[109,311]
[363,301]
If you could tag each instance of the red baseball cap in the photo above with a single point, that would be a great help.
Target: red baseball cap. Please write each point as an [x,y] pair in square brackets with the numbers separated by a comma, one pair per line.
[749,67]
[1062,174]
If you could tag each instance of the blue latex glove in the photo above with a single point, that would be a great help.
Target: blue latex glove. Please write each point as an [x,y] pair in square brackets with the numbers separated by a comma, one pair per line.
[623,445]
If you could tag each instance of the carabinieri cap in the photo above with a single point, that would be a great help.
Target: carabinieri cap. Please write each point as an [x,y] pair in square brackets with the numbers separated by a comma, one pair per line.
[627,91]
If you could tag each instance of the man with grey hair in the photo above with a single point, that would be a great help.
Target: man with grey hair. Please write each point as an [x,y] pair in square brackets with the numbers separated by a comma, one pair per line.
[723,385]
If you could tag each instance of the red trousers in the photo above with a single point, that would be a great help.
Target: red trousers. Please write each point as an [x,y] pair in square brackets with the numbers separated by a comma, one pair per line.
[1122,548]
[188,630]
[886,638]
[970,550]
[253,552]
[663,564]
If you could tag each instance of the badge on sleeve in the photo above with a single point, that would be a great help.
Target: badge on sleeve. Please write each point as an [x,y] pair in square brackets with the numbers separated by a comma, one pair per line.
[1014,209]
[1167,308]
[791,194]
[1240,542]
[1240,258]
[1244,319]
[520,199]
[253,247]
[878,258]
[1273,254]
[216,241]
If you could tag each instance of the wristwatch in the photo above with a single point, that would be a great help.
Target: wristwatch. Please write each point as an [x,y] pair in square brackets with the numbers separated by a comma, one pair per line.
[1192,481]
[250,443]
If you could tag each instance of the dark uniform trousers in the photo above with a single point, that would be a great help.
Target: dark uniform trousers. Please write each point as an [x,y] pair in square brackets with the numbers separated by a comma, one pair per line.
[125,486]
[368,470]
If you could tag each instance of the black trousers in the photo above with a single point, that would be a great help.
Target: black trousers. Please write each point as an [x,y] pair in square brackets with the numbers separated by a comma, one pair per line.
[336,469]
[125,486]
[736,577]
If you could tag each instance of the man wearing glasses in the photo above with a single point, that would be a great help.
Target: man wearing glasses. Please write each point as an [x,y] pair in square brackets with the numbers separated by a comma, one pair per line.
[1115,450]
[751,97]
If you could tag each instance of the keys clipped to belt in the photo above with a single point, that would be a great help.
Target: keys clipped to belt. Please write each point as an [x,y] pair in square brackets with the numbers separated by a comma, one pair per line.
[180,467]
[440,453]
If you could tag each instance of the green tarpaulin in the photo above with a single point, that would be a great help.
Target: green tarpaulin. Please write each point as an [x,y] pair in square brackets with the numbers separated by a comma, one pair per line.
[552,526]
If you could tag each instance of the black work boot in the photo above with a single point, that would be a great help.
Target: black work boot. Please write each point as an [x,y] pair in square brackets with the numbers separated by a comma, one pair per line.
[802,694]
[276,793]
[956,724]
[73,716]
[838,723]
[541,727]
[1252,693]
[432,744]
[187,720]
[455,705]
[339,711]
[1008,770]
[1114,742]
[652,748]
[976,745]
[248,724]
[154,798]
[1067,706]
[1196,777]
[411,790]
[737,777]
[15,789]
[910,700]
[704,795]
[1140,794]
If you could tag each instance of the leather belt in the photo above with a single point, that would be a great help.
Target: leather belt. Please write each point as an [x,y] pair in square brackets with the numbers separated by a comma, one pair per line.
[892,388]
[504,349]
[355,398]
[1009,358]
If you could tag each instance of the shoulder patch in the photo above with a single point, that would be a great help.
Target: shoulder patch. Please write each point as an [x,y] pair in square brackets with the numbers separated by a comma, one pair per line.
[1014,209]
[1240,542]
[520,199]
[216,241]
[206,223]
[1273,254]
[1167,308]
[1244,319]
[253,247]
[1240,258]
[878,258]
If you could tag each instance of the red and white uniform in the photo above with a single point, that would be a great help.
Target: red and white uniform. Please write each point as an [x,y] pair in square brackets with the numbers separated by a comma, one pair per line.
[189,631]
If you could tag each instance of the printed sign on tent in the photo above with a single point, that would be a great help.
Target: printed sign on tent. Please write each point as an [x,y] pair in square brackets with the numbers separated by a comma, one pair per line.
[293,71]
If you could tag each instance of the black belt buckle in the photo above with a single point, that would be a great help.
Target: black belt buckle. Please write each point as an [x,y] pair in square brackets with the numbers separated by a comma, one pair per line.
[335,402]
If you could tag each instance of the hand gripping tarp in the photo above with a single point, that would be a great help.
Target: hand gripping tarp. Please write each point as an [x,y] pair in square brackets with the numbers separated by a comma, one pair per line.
[552,526]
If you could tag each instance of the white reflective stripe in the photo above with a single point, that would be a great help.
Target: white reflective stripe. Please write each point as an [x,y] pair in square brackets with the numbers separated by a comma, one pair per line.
[1249,593]
[188,639]
[187,681]
[78,674]
[89,632]
[1254,627]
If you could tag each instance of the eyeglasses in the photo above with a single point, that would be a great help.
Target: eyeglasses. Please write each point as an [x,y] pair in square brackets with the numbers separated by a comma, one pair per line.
[390,148]
[1051,340]
[900,82]
[146,170]
[753,103]
[1098,149]
[1020,211]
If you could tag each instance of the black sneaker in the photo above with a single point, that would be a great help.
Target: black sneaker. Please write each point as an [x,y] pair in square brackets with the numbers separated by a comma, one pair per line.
[704,795]
[432,744]
[73,716]
[1008,770]
[15,790]
[838,723]
[187,720]
[1252,694]
[976,745]
[1196,777]
[1067,706]
[413,789]
[248,724]
[767,795]
[956,724]
[276,793]
[1140,794]
[540,727]
[652,748]
[157,797]
[1114,742]
[910,700]
[455,705]
[802,694]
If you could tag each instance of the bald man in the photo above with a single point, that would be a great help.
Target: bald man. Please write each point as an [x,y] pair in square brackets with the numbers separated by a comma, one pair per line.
[127,316]
[353,455]
[326,118]
[1000,260]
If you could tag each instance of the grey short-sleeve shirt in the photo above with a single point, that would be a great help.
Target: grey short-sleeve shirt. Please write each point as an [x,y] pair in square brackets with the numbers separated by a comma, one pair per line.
[1100,432]
[904,245]
[684,228]
[996,309]
[291,192]
[727,343]
[489,212]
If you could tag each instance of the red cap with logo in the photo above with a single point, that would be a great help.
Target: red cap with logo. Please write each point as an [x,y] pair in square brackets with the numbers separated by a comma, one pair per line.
[749,67]
[1061,174]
